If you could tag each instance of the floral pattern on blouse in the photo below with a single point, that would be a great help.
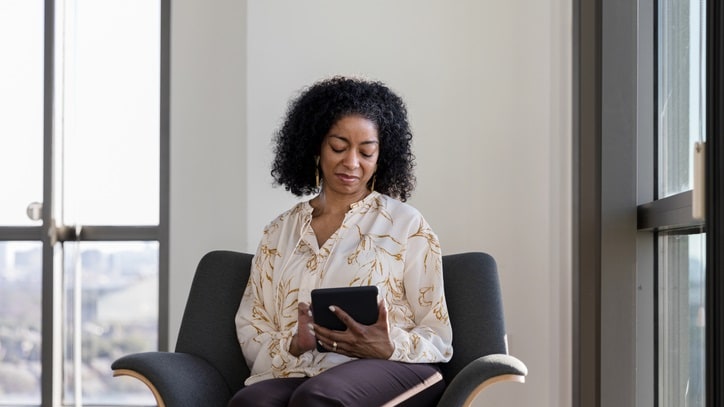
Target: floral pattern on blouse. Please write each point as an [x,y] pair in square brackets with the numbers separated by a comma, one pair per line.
[381,242]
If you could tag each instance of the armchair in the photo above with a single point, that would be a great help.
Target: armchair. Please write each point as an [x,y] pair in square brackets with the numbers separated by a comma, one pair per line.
[207,367]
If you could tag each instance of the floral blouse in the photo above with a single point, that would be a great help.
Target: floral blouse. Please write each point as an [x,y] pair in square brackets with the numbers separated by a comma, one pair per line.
[382,242]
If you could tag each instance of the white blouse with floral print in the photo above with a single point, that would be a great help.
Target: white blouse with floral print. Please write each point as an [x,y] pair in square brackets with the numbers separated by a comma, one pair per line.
[382,242]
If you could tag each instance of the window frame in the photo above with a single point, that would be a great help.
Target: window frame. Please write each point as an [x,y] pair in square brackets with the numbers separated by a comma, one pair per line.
[50,235]
[715,203]
[603,131]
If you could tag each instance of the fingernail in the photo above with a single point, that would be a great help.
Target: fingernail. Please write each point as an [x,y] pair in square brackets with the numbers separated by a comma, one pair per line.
[332,308]
[309,312]
[311,327]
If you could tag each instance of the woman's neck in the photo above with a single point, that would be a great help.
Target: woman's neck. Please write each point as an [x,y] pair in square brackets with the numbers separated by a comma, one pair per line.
[326,203]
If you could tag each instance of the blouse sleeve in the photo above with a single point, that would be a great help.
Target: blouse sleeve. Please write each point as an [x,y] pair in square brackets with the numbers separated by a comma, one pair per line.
[430,341]
[264,343]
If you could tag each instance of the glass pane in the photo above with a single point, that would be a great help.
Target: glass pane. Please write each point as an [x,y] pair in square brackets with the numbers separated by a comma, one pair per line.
[681,91]
[20,321]
[21,101]
[681,320]
[115,314]
[110,102]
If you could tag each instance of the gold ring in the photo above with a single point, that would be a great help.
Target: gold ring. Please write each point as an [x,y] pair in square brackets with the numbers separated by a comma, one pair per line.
[334,346]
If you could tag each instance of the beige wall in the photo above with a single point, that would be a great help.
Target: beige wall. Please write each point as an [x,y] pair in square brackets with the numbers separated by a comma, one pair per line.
[488,92]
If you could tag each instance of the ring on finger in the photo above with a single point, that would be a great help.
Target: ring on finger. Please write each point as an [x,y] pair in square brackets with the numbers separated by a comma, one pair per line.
[334,346]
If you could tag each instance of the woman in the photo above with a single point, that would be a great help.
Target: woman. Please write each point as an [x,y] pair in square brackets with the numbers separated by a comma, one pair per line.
[349,141]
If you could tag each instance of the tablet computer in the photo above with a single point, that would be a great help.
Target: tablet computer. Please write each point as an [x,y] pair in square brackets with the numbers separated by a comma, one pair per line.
[359,302]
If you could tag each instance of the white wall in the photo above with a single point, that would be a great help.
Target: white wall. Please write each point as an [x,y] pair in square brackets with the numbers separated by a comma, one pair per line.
[207,143]
[488,91]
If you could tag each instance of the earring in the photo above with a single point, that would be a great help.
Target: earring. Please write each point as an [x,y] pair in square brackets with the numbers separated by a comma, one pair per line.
[316,170]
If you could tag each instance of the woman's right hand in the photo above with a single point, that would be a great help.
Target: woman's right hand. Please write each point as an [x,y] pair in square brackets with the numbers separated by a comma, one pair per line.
[304,340]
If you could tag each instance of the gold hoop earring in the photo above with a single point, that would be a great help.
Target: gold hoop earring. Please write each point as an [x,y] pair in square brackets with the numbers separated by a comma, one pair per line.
[316,171]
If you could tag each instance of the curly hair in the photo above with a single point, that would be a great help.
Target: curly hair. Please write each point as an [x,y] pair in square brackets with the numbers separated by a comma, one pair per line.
[312,114]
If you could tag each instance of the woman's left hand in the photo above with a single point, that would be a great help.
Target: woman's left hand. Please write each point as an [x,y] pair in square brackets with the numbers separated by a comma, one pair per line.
[359,340]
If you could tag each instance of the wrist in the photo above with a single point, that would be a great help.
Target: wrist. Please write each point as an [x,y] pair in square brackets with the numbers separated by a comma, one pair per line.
[293,348]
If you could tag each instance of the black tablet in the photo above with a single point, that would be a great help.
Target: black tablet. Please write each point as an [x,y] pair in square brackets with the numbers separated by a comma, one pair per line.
[359,302]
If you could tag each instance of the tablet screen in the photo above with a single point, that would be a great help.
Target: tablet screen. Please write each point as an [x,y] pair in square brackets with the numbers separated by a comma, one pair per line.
[359,302]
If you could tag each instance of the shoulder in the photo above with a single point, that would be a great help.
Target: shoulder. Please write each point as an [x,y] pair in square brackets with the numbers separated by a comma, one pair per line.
[291,216]
[397,206]
[400,212]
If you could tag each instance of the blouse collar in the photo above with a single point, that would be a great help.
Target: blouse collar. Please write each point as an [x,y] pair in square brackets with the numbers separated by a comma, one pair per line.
[307,207]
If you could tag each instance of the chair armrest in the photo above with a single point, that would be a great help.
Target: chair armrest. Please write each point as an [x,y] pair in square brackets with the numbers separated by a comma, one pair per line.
[176,379]
[478,375]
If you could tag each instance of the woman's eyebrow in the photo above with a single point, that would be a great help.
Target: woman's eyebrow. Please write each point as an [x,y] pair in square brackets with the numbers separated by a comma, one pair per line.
[370,142]
[342,138]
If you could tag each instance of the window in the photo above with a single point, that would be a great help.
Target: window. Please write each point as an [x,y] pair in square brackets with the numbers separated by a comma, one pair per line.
[647,296]
[681,319]
[21,152]
[83,233]
[681,94]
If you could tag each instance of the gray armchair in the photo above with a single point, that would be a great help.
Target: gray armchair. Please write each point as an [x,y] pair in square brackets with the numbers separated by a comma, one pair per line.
[207,367]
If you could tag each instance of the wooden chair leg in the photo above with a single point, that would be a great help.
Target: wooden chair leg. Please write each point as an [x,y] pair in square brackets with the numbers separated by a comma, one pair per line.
[497,379]
[144,379]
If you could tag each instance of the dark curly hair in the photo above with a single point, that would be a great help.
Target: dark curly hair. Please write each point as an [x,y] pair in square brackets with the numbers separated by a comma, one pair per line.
[310,116]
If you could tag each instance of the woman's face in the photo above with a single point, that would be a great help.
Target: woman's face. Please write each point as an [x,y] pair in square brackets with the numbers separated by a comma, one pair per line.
[348,156]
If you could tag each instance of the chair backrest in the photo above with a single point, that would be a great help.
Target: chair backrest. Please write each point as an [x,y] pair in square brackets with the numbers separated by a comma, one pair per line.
[472,291]
[207,328]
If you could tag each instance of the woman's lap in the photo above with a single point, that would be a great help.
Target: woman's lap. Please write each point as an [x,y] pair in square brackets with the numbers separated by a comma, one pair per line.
[267,393]
[363,382]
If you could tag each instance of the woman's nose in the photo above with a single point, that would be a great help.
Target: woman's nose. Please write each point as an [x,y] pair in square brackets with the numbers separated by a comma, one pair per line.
[351,160]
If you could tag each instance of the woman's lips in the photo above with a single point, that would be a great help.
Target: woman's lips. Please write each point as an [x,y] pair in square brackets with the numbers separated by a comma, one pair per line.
[347,178]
